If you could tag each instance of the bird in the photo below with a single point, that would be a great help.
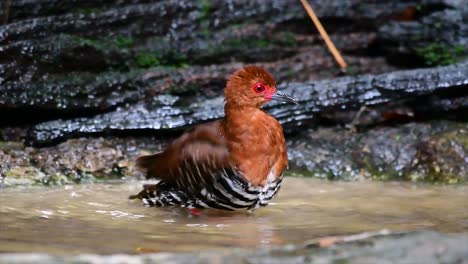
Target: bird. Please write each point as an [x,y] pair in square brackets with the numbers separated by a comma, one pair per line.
[235,163]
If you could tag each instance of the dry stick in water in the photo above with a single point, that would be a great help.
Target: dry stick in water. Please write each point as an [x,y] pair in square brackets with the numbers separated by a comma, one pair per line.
[336,54]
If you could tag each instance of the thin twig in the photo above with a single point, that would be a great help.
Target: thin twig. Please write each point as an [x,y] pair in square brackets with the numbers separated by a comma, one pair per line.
[332,240]
[353,125]
[336,54]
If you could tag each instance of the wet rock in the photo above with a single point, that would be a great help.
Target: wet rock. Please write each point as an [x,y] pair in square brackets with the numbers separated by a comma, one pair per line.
[121,36]
[417,248]
[166,113]
[162,114]
[74,161]
[56,57]
[111,69]
[440,38]
[336,9]
[23,9]
[22,176]
[443,158]
[86,94]
[431,152]
[89,62]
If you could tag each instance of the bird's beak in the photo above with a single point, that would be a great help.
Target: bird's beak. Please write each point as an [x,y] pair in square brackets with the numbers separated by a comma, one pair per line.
[282,97]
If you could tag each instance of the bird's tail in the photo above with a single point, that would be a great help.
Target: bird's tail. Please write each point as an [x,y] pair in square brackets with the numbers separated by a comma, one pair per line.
[153,165]
[158,195]
[146,162]
[148,192]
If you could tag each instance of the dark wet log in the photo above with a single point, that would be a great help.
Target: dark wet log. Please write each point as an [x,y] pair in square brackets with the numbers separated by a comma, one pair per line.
[87,94]
[56,56]
[115,35]
[167,113]
[440,38]
[124,37]
[23,9]
[329,9]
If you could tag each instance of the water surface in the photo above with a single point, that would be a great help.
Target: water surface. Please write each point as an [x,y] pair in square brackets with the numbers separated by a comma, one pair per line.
[98,218]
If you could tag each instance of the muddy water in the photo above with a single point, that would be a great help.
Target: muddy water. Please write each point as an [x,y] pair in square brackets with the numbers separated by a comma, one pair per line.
[99,219]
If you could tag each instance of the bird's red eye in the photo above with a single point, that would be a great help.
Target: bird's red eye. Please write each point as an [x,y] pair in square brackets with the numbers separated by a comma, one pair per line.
[259,88]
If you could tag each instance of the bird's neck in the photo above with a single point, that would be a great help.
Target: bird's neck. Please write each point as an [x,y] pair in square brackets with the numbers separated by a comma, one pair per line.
[255,141]
[243,119]
[234,111]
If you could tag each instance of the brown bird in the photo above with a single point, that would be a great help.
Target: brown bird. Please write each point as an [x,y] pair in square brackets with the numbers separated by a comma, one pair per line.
[232,164]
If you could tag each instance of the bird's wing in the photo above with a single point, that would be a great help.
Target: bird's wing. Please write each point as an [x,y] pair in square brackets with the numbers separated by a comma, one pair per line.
[192,161]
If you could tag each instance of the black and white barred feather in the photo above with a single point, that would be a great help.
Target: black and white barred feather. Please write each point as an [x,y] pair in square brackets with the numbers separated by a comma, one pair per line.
[228,191]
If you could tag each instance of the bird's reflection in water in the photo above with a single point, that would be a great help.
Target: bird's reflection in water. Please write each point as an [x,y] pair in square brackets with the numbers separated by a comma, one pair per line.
[226,228]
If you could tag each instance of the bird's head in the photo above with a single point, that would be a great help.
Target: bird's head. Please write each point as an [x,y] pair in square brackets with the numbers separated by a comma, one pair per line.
[253,86]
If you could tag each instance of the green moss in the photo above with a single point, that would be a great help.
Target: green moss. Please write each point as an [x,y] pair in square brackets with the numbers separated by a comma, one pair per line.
[123,42]
[105,44]
[89,42]
[246,44]
[445,165]
[86,10]
[287,39]
[262,43]
[237,26]
[352,71]
[434,176]
[376,172]
[459,50]
[184,89]
[54,180]
[397,137]
[440,54]
[379,176]
[11,145]
[205,7]
[25,173]
[174,59]
[147,60]
[123,47]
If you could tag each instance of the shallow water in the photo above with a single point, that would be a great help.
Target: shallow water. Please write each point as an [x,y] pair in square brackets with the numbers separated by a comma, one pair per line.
[98,218]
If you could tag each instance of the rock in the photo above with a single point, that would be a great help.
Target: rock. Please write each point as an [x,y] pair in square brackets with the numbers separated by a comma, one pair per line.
[433,151]
[430,152]
[417,248]
[82,57]
[74,161]
[110,69]
[136,38]
[23,176]
[165,113]
[440,38]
